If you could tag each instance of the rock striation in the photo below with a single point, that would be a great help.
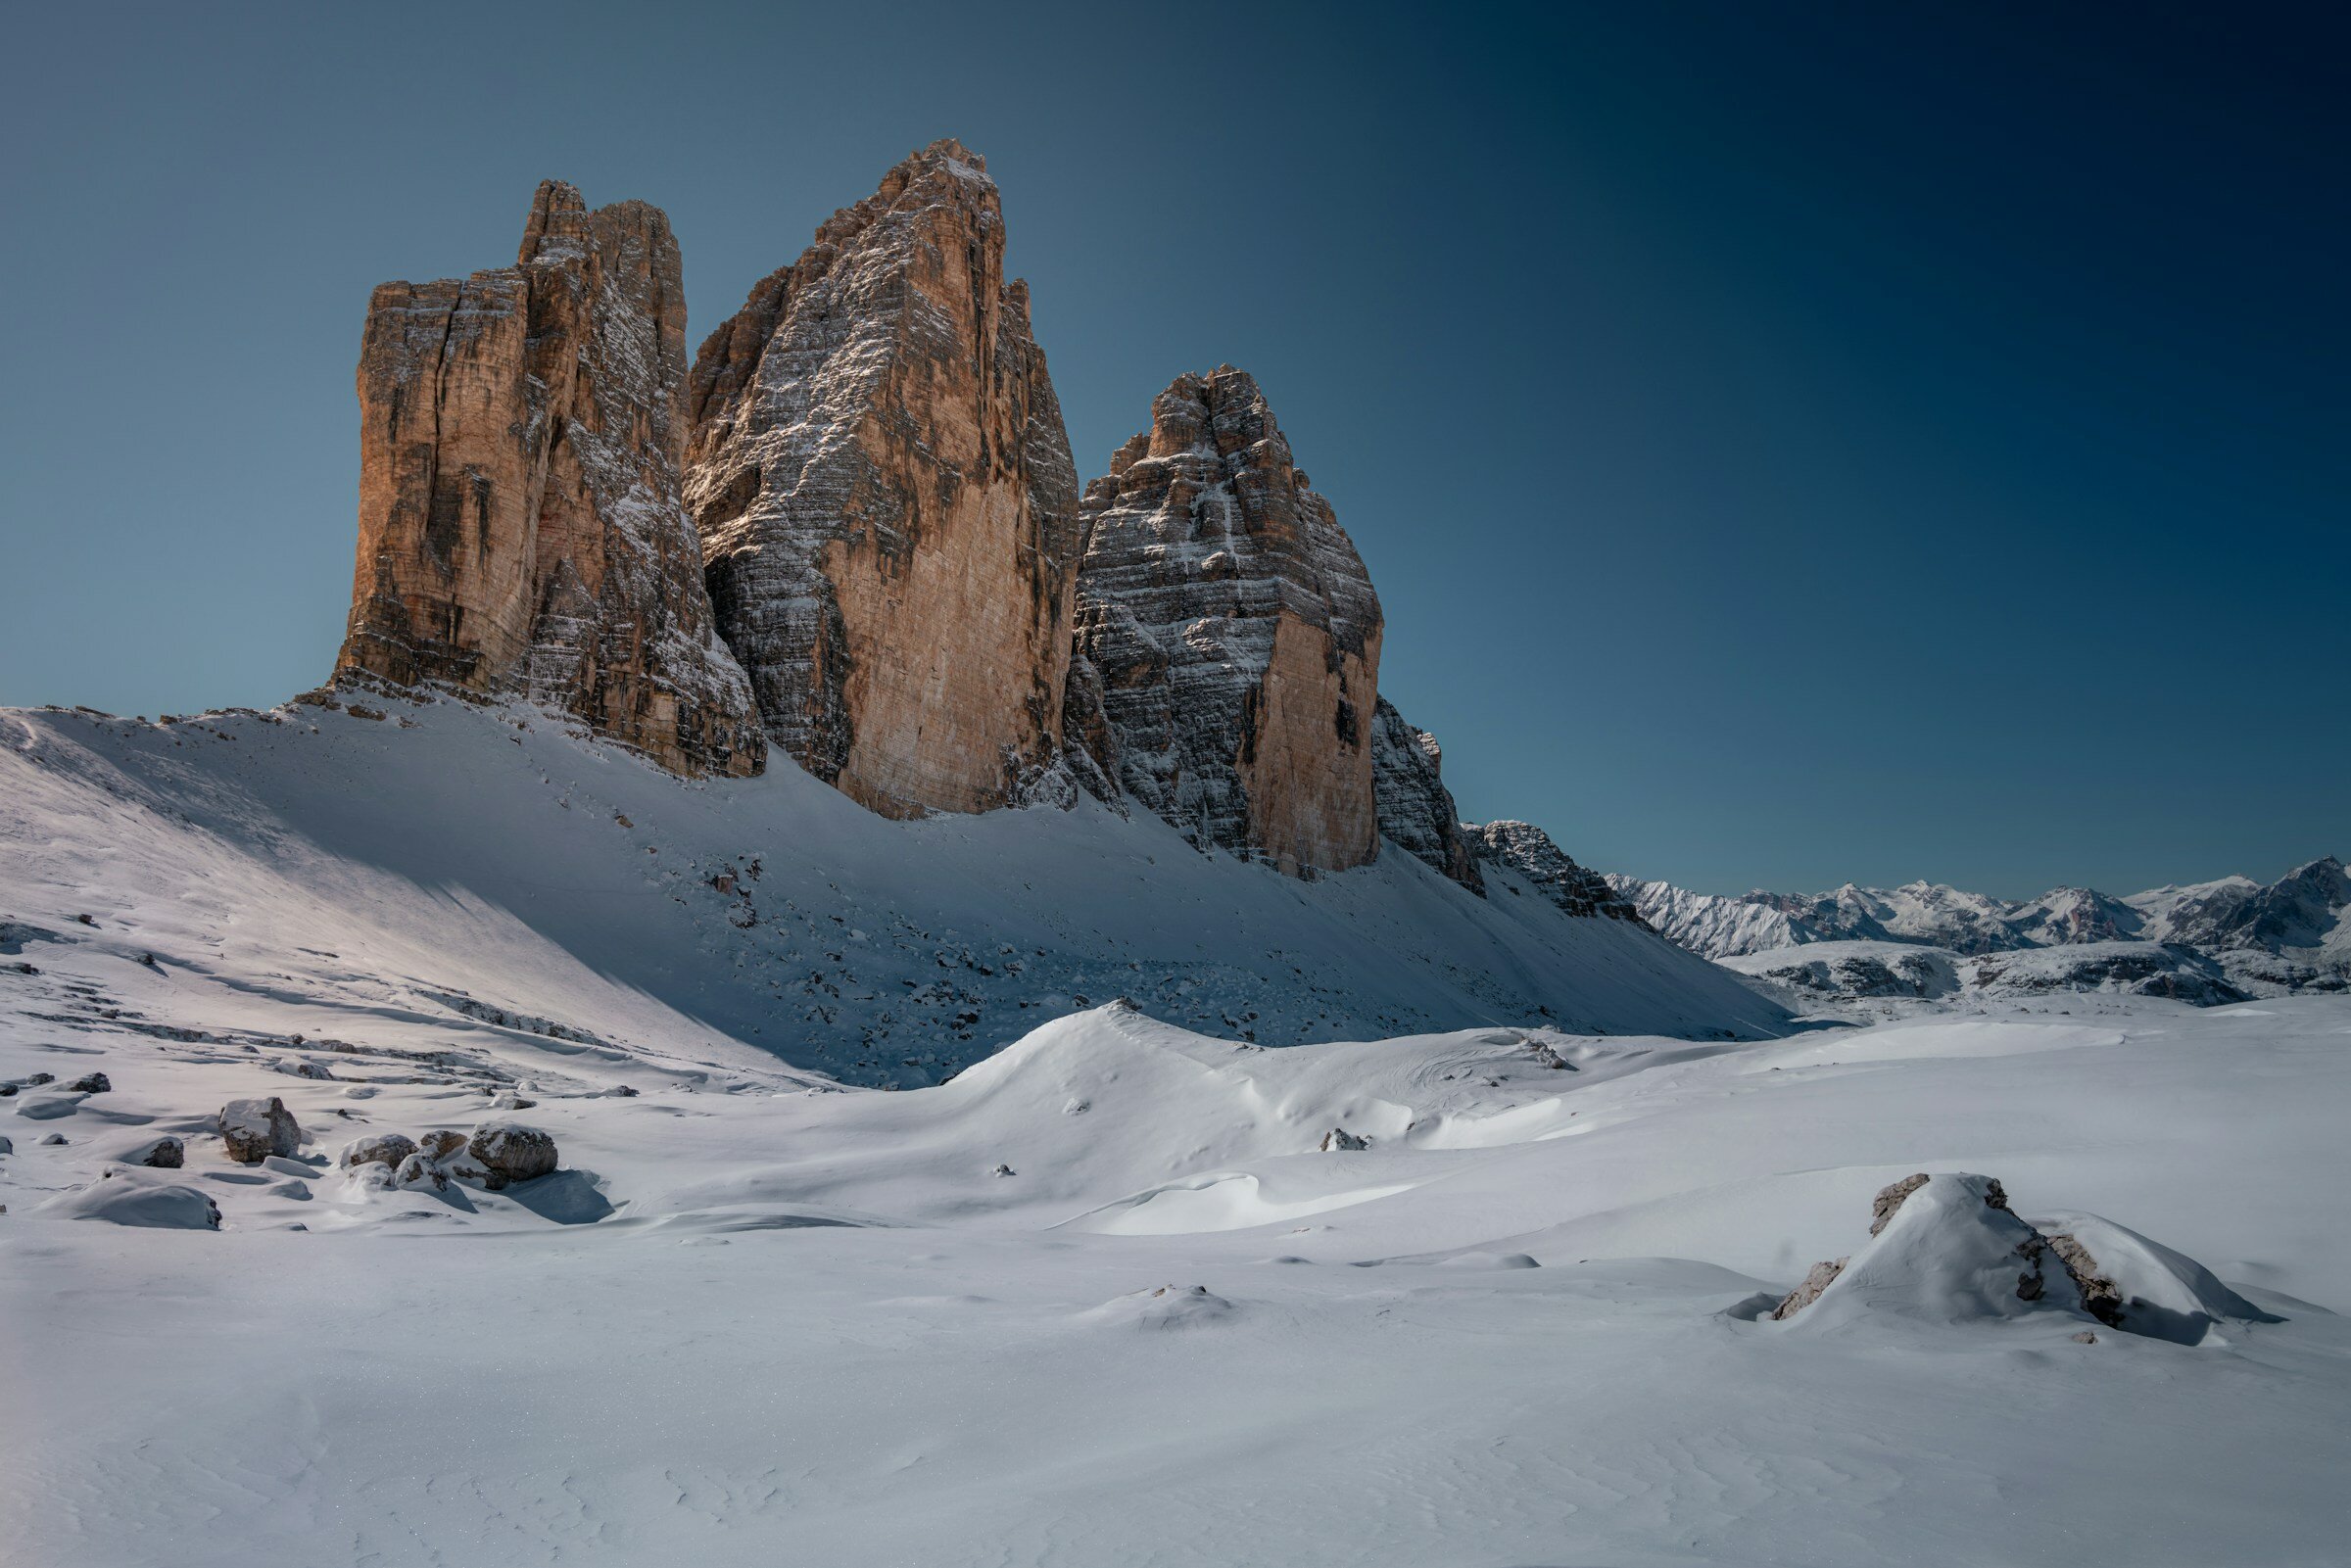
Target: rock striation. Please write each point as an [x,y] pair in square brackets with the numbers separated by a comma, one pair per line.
[888,506]
[1228,636]
[1417,813]
[521,530]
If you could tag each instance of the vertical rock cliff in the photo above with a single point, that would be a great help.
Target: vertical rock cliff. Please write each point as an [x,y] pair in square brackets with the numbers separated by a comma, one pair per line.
[886,501]
[520,523]
[1233,634]
[1417,813]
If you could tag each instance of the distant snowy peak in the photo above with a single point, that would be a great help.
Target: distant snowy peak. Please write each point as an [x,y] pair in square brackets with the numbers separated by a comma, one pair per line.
[1710,925]
[2292,934]
[2065,916]
[2303,909]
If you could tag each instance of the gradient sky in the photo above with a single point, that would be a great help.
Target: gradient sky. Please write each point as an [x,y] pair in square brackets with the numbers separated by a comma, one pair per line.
[1792,442]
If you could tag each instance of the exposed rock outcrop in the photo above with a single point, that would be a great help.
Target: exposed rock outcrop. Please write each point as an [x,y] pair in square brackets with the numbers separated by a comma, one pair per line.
[512,1151]
[520,525]
[1528,851]
[886,497]
[1234,633]
[255,1129]
[1417,813]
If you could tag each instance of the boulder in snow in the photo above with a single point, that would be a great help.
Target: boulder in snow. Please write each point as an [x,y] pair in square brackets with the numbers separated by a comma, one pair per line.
[256,1129]
[512,1151]
[1339,1139]
[382,1149]
[90,1083]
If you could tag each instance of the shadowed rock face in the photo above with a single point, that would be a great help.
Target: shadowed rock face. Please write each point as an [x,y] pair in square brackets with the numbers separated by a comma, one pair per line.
[520,524]
[1417,813]
[1530,851]
[884,488]
[1233,632]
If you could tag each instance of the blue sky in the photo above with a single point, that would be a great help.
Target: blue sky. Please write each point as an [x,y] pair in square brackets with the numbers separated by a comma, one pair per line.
[1792,444]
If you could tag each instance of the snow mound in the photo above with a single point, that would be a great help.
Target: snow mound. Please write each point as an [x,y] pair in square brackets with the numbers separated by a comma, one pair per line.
[122,1200]
[1947,1249]
[2148,1289]
[1161,1307]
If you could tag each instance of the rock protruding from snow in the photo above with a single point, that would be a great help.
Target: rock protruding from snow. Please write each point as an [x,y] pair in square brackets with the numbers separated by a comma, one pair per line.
[1417,813]
[1949,1249]
[1528,851]
[884,492]
[1945,1249]
[380,1149]
[1233,633]
[1340,1140]
[512,1151]
[521,530]
[255,1129]
[1890,1198]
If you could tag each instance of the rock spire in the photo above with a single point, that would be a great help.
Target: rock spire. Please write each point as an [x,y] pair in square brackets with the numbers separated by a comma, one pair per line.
[886,497]
[1232,635]
[520,524]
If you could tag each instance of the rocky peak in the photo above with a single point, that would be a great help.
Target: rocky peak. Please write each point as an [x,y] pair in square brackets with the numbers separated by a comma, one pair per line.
[1417,813]
[1233,633]
[884,488]
[1528,851]
[521,530]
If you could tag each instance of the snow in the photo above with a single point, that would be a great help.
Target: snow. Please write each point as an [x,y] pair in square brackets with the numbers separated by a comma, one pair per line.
[756,1316]
[1101,1295]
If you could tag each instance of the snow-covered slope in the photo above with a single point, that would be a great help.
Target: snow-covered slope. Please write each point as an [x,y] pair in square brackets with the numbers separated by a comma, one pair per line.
[1103,1299]
[447,862]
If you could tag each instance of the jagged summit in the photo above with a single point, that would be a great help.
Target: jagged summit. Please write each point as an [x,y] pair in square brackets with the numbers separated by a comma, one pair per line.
[886,501]
[1233,632]
[520,525]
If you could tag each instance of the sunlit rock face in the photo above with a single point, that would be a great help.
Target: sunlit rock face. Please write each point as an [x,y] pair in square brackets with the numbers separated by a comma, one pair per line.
[1233,633]
[521,530]
[883,483]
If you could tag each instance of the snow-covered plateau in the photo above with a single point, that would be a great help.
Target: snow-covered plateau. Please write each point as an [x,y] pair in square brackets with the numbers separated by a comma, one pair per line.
[818,1279]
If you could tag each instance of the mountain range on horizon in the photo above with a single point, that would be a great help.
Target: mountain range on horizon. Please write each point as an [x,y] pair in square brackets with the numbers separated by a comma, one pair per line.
[2291,935]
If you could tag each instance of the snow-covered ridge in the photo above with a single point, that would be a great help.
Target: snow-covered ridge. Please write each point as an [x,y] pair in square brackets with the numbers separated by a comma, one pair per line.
[2292,934]
[381,861]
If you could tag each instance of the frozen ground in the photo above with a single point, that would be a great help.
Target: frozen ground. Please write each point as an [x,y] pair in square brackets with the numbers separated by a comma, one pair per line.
[797,1324]
[1102,1297]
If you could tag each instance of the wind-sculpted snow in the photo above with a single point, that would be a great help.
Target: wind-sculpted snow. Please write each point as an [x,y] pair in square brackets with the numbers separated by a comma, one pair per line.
[1103,1298]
